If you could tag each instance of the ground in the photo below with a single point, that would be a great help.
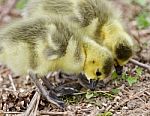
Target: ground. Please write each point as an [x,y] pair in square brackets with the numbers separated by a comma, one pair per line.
[128,95]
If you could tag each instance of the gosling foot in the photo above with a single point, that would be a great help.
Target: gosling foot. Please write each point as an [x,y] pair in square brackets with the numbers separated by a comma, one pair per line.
[49,95]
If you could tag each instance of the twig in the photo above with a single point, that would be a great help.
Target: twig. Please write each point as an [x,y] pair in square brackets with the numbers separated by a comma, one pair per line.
[144,32]
[37,104]
[108,108]
[146,106]
[12,112]
[104,92]
[31,105]
[42,113]
[147,93]
[137,95]
[54,113]
[121,104]
[81,93]
[12,83]
[140,64]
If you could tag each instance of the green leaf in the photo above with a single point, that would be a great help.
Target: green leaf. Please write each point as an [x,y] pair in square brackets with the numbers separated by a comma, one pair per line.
[141,2]
[89,95]
[21,4]
[114,75]
[115,91]
[143,21]
[132,80]
[107,114]
[139,71]
[124,76]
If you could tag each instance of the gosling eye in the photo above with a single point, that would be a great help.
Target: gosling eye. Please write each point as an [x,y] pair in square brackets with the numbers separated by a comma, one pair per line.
[98,73]
[93,61]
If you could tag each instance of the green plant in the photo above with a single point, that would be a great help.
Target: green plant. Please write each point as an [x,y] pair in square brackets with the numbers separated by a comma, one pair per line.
[115,91]
[131,80]
[140,2]
[21,4]
[143,21]
[139,71]
[89,95]
[105,114]
[114,75]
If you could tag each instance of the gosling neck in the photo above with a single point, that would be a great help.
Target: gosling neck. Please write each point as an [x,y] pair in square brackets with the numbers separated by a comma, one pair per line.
[111,28]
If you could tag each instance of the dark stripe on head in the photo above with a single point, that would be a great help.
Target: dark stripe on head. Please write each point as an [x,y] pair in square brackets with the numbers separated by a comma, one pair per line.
[107,66]
[123,52]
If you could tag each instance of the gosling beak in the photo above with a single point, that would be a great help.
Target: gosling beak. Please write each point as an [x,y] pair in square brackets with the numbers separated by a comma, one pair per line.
[119,69]
[93,84]
[89,84]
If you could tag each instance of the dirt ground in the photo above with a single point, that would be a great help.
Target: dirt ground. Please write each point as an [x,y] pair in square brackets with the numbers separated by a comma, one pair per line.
[118,98]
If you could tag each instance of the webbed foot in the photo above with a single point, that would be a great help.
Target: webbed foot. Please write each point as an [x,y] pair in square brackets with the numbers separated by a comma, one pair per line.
[68,89]
[50,96]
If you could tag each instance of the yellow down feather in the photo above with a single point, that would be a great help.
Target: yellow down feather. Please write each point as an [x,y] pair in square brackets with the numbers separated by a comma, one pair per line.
[47,44]
[96,18]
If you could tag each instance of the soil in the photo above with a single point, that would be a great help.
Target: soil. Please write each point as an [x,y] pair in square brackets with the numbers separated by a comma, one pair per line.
[129,100]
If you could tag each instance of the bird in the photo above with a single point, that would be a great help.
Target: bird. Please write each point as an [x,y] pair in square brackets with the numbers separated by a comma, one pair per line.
[45,44]
[96,18]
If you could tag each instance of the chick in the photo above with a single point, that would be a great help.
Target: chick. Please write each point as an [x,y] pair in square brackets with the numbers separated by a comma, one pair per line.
[108,29]
[96,18]
[102,22]
[47,44]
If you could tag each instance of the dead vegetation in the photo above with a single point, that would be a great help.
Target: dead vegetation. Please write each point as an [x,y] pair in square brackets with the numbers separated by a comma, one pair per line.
[128,95]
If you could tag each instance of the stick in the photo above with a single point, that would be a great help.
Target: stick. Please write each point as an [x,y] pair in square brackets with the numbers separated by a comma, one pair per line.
[37,104]
[12,112]
[31,105]
[54,113]
[136,95]
[42,113]
[104,92]
[140,64]
[12,83]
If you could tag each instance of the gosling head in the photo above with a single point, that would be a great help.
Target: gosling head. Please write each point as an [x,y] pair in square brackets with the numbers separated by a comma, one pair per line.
[98,64]
[118,42]
[122,51]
